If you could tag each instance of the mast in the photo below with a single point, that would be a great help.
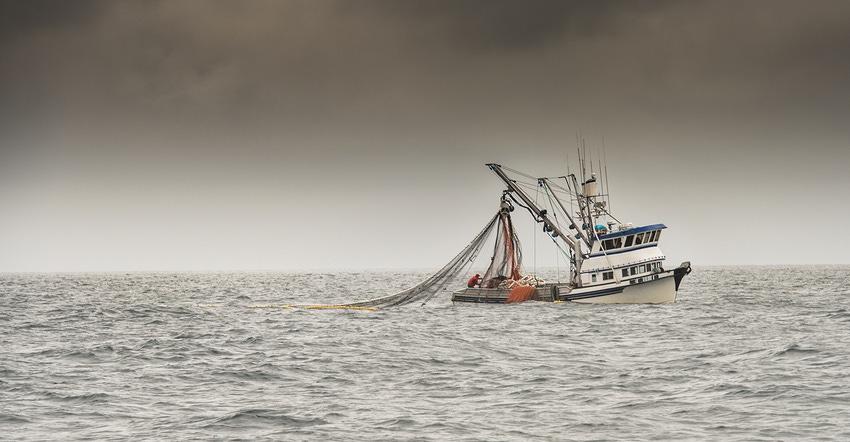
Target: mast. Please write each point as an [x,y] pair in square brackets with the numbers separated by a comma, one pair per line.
[584,211]
[545,183]
[543,217]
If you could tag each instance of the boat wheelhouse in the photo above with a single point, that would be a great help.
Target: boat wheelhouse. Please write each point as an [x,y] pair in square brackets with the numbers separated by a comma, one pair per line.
[633,251]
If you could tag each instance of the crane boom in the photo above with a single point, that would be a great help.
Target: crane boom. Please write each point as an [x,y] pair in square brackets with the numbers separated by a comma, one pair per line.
[542,217]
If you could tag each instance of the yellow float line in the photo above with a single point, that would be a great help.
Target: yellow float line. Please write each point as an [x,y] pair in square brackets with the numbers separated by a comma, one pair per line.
[341,307]
[310,307]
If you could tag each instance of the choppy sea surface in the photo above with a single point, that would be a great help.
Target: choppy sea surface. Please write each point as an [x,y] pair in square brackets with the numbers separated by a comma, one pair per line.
[747,353]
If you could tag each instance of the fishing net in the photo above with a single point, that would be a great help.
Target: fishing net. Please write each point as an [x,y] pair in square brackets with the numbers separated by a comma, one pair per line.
[522,293]
[432,285]
[507,256]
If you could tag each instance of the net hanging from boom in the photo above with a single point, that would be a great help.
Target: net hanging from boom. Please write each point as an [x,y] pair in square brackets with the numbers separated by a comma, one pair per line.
[507,255]
[433,284]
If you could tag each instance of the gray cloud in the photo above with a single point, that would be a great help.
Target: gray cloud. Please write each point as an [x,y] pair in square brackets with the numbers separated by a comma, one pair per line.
[322,58]
[504,25]
[20,19]
[190,108]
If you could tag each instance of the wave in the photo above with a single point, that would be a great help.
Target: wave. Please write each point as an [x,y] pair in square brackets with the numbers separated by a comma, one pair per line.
[792,350]
[733,358]
[263,417]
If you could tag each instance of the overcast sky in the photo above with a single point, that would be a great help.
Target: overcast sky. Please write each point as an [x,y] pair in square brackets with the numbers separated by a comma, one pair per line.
[278,135]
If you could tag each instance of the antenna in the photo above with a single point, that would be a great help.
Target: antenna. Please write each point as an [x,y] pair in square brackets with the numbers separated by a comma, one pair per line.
[605,161]
[583,161]
[603,189]
[580,163]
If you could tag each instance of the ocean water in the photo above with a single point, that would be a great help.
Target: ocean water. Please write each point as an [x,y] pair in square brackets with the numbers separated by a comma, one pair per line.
[747,353]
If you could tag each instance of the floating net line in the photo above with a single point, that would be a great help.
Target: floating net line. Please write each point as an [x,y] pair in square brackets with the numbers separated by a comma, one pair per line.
[429,287]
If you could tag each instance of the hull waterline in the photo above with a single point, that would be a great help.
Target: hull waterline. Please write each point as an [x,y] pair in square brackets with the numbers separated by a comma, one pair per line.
[661,288]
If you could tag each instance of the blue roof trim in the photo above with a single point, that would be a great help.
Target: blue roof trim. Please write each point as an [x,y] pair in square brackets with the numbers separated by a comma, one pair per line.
[633,231]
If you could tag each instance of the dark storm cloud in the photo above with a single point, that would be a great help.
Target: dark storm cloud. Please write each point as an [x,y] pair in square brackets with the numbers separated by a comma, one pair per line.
[21,18]
[772,52]
[811,62]
[244,58]
[505,25]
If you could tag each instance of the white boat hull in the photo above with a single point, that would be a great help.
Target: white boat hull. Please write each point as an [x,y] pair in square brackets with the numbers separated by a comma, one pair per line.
[656,291]
[659,288]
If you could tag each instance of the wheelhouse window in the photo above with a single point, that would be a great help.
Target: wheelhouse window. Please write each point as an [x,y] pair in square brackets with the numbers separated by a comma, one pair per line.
[638,238]
[612,244]
[629,240]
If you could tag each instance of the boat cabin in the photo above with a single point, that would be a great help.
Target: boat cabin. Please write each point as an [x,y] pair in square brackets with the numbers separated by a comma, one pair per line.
[631,253]
[630,238]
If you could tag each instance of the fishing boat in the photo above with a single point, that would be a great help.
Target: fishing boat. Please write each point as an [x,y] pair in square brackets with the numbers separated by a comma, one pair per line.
[610,261]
